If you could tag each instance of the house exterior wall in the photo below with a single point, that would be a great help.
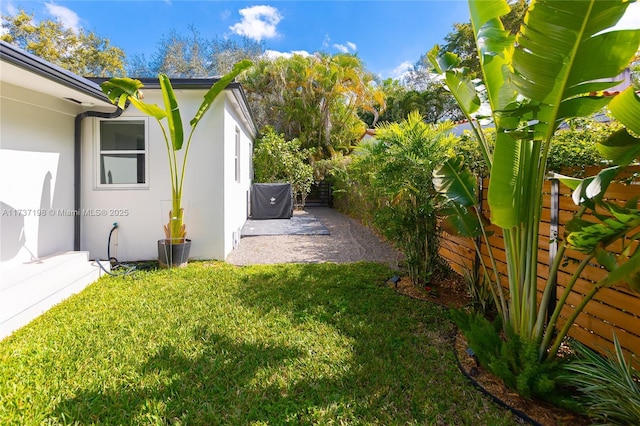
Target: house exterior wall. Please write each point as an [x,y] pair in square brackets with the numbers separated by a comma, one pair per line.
[36,174]
[236,201]
[141,213]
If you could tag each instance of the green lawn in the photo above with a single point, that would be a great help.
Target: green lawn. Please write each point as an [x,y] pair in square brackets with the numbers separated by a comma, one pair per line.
[216,344]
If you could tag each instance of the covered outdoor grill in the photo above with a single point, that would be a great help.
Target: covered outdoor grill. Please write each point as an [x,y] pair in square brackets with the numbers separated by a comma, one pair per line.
[271,201]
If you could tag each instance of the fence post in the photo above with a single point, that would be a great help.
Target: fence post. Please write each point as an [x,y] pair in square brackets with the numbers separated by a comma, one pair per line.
[553,241]
[476,260]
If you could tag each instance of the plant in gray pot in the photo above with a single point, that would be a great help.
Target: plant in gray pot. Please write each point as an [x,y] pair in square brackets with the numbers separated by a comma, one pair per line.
[174,249]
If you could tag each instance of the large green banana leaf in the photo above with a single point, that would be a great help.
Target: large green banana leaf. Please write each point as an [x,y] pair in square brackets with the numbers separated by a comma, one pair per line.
[458,82]
[174,120]
[559,54]
[459,186]
[217,88]
[119,90]
[626,108]
[495,47]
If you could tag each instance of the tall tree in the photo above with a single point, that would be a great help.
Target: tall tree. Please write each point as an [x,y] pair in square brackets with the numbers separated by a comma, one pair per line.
[314,98]
[83,53]
[461,41]
[434,103]
[190,55]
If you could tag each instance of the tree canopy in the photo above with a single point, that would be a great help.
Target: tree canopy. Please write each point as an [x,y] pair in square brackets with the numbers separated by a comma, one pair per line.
[83,53]
[434,103]
[461,41]
[314,98]
[190,55]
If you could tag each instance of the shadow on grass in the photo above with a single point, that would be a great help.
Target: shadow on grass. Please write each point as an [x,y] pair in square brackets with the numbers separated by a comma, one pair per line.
[208,388]
[393,363]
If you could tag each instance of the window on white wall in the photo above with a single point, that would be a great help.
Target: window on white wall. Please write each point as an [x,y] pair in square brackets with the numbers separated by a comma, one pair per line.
[122,153]
[237,157]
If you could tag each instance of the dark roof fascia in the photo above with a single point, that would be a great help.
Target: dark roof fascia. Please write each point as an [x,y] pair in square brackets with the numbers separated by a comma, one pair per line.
[237,87]
[25,60]
[176,83]
[193,84]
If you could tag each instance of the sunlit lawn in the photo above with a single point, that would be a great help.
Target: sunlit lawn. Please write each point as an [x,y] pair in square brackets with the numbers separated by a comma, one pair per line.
[216,344]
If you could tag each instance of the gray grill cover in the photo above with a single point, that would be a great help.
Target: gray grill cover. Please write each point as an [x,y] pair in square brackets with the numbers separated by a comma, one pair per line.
[271,201]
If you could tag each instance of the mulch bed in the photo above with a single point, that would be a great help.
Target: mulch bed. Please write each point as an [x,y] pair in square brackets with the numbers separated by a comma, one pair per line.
[450,291]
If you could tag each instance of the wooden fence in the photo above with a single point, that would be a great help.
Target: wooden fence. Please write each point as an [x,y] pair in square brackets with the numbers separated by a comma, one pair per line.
[615,309]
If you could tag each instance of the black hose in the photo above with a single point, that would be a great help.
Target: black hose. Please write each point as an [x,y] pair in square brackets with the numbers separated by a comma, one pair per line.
[115,263]
[521,415]
[111,259]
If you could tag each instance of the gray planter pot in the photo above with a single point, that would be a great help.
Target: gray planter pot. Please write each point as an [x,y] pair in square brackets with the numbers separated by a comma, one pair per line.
[173,255]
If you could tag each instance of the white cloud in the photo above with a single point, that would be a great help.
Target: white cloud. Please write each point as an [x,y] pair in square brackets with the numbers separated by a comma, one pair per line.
[274,54]
[401,70]
[67,17]
[342,48]
[258,22]
[347,47]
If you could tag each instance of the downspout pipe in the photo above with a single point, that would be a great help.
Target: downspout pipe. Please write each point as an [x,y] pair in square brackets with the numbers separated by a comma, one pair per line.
[77,171]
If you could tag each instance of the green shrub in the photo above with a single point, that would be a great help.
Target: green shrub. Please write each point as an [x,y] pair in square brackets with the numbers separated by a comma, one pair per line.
[389,183]
[352,190]
[468,149]
[278,160]
[572,148]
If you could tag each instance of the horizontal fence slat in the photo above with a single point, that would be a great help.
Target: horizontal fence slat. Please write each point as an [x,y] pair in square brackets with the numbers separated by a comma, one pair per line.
[616,308]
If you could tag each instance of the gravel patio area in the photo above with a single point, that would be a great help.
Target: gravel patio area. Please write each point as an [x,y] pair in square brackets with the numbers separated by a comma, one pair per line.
[349,241]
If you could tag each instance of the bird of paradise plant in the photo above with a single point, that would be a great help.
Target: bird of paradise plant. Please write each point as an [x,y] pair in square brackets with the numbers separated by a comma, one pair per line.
[123,90]
[557,67]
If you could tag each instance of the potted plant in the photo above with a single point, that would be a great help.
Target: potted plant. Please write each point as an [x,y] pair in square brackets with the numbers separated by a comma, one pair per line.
[174,249]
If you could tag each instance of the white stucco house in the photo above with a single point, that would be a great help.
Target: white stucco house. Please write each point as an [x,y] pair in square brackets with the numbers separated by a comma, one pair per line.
[72,165]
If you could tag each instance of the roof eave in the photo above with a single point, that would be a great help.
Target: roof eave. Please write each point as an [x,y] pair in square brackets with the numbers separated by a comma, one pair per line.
[25,60]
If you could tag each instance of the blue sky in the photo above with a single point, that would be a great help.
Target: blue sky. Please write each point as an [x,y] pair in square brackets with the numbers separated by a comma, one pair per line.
[388,36]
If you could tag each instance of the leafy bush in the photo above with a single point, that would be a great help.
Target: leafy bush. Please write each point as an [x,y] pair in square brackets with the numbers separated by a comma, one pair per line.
[575,147]
[278,160]
[468,149]
[352,188]
[572,148]
[389,184]
[609,385]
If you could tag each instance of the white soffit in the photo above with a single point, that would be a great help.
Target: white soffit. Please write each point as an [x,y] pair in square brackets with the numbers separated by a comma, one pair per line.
[17,76]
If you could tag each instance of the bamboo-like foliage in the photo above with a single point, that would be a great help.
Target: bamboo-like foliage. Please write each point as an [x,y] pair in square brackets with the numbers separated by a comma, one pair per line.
[565,54]
[399,164]
[123,90]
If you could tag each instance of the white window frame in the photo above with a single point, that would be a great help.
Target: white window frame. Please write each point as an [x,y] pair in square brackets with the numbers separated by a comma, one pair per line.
[99,152]
[237,155]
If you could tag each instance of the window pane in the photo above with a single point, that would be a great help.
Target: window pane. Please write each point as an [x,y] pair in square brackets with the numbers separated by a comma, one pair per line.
[121,168]
[122,135]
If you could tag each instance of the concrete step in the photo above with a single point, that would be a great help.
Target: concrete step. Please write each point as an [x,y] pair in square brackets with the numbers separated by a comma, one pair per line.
[29,289]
